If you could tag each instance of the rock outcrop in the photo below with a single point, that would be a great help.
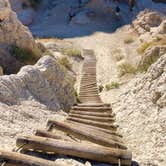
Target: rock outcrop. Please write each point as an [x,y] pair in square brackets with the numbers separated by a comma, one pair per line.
[45,82]
[141,114]
[147,20]
[12,32]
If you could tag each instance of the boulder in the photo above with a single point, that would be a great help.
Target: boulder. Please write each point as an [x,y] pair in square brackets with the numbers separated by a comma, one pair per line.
[162,27]
[46,82]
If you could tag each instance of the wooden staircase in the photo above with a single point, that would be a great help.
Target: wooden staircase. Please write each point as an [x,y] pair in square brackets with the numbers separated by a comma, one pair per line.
[89,130]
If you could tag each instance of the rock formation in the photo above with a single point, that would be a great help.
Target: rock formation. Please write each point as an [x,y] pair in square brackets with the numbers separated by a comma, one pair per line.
[46,82]
[147,20]
[141,113]
[12,31]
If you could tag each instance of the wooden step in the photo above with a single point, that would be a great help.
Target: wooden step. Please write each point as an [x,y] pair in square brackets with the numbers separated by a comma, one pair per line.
[101,119]
[94,105]
[98,114]
[104,125]
[17,159]
[89,108]
[89,134]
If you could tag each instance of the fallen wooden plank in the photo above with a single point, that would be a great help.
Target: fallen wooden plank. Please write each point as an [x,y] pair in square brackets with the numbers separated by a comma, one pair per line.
[89,134]
[98,129]
[105,125]
[13,158]
[87,151]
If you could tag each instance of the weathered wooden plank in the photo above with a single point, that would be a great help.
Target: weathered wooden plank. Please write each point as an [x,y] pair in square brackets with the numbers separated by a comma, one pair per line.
[89,134]
[88,151]
[13,158]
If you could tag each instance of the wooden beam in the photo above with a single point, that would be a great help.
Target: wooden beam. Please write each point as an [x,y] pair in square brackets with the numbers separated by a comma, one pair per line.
[87,151]
[101,119]
[105,125]
[13,158]
[89,134]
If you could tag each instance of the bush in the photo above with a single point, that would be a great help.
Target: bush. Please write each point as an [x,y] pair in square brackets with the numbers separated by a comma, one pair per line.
[65,62]
[23,55]
[126,69]
[128,40]
[76,96]
[113,85]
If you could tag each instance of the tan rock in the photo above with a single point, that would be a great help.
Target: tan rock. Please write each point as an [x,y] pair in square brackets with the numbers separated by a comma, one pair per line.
[1,71]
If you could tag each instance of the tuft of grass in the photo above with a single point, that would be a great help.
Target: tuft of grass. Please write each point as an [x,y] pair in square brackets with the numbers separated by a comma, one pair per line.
[144,67]
[128,40]
[23,55]
[143,47]
[76,96]
[65,62]
[113,85]
[117,53]
[72,52]
[126,69]
[157,41]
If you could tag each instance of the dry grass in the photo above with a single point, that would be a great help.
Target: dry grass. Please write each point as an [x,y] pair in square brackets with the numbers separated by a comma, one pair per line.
[126,69]
[112,85]
[65,62]
[117,54]
[128,40]
[73,52]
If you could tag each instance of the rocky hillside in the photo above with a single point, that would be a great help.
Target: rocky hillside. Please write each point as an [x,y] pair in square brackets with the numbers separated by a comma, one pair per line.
[141,115]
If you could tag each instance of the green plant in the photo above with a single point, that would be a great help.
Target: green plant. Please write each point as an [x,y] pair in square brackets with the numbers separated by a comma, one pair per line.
[128,40]
[113,85]
[23,55]
[126,68]
[143,47]
[65,62]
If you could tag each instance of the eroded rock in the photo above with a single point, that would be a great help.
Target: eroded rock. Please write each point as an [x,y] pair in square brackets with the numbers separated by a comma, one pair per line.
[45,82]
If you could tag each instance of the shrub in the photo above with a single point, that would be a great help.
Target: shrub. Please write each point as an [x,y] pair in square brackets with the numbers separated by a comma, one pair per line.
[23,55]
[128,40]
[65,62]
[126,69]
[113,85]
